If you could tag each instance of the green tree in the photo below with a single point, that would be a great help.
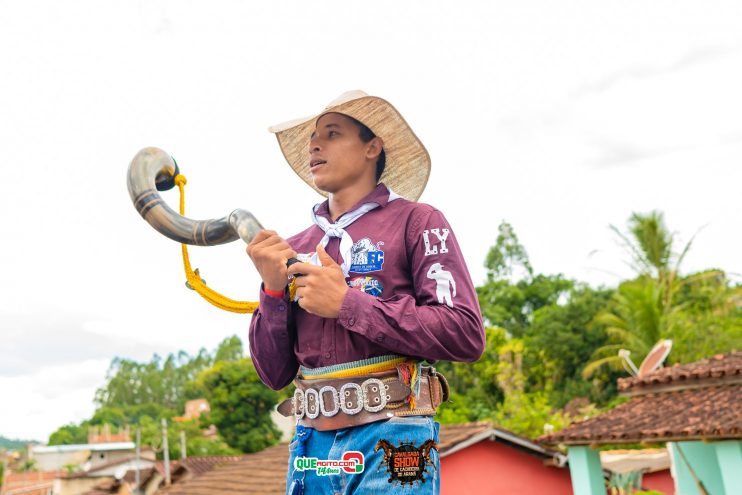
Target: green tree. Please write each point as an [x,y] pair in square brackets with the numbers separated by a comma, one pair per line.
[709,317]
[635,320]
[507,301]
[561,340]
[70,434]
[475,393]
[161,383]
[507,256]
[230,349]
[141,392]
[660,303]
[522,412]
[241,405]
[197,444]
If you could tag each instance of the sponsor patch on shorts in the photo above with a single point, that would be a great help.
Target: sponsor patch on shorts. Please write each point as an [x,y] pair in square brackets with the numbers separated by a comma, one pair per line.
[407,464]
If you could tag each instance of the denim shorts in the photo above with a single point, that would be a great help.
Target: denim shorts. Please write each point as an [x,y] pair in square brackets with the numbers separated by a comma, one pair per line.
[410,433]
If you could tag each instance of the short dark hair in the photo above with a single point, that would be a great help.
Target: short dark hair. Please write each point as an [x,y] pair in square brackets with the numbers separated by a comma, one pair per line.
[367,135]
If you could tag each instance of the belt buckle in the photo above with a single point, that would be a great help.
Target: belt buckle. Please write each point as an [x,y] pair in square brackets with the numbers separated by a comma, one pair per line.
[298,398]
[335,400]
[380,400]
[311,410]
[345,403]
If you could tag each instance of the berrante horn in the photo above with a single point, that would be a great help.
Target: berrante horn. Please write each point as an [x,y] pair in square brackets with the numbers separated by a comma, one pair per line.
[154,170]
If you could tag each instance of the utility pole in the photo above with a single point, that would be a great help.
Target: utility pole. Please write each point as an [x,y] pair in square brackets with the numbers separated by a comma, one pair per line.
[165,452]
[137,479]
[182,444]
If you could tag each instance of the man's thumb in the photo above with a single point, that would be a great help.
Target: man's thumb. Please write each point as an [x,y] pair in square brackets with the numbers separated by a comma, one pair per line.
[325,258]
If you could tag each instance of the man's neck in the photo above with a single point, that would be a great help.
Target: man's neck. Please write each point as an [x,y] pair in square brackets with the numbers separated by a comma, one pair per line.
[342,201]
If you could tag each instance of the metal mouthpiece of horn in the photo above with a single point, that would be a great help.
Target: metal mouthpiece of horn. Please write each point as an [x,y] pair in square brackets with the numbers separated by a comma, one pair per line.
[153,170]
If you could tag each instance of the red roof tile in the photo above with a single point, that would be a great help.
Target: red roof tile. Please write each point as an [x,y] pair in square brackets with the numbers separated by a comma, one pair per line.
[722,368]
[260,473]
[33,483]
[691,414]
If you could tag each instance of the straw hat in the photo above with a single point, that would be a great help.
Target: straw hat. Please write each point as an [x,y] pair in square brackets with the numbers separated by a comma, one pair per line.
[407,161]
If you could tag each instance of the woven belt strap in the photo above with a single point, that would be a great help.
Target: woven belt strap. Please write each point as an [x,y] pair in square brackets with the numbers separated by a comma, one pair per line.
[333,403]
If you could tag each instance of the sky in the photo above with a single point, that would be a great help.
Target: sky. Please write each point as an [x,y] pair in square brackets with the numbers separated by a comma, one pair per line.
[561,118]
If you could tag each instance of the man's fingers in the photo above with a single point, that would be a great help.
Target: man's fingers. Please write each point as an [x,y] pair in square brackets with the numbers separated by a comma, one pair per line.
[274,241]
[303,269]
[262,235]
[325,258]
[288,253]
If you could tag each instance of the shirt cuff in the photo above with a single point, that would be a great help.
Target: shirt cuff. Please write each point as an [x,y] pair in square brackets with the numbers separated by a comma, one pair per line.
[354,311]
[273,306]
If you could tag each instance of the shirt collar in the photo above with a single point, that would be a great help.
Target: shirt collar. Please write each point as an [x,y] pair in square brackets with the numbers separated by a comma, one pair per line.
[379,195]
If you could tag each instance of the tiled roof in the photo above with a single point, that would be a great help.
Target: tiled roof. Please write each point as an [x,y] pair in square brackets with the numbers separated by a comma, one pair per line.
[33,483]
[455,434]
[696,401]
[106,487]
[722,368]
[260,473]
[202,464]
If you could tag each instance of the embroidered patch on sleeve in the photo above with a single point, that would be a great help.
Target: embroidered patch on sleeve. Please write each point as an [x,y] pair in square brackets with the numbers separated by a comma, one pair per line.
[366,256]
[407,464]
[438,244]
[444,282]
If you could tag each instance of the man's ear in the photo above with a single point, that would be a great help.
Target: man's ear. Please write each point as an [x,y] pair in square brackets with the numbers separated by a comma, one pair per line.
[374,147]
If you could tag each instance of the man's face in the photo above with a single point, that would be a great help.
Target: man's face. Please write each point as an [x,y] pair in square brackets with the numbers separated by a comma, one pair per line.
[338,158]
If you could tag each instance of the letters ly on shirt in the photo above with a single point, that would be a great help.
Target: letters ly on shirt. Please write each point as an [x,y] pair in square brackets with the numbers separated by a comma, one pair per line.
[441,235]
[366,256]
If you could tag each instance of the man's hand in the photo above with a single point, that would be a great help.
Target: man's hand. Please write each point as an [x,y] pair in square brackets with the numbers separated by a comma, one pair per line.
[320,289]
[269,253]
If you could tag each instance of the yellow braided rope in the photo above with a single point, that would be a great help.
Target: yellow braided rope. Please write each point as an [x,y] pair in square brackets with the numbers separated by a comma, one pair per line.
[194,280]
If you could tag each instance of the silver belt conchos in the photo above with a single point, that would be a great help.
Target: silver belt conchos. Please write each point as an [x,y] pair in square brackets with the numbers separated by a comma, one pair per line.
[352,398]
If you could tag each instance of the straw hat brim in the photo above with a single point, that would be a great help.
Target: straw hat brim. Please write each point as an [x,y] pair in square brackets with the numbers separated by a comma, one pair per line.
[407,161]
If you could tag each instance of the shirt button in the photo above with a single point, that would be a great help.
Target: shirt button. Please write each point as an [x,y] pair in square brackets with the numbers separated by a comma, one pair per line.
[351,321]
[282,308]
[328,355]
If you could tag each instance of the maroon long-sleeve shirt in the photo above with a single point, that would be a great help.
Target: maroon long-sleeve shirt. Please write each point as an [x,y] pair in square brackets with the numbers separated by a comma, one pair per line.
[411,294]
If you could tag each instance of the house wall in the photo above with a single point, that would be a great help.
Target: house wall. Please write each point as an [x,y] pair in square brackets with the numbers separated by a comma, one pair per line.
[492,468]
[54,461]
[660,480]
[105,456]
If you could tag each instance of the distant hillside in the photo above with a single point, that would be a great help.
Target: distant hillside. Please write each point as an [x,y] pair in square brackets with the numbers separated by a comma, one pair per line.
[13,444]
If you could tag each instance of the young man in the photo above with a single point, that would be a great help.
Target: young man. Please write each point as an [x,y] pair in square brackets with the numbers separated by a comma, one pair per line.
[382,287]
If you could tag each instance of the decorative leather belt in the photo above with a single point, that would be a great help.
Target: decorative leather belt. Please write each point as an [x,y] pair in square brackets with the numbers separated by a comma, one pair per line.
[333,403]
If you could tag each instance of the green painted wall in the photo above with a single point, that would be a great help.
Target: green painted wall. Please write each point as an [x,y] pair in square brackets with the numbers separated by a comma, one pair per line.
[702,458]
[585,471]
[729,456]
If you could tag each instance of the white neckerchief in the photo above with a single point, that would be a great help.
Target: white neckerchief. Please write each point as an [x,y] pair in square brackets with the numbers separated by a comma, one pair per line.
[337,229]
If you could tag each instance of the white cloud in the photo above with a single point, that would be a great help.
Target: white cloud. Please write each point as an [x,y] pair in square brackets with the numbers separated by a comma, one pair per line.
[36,404]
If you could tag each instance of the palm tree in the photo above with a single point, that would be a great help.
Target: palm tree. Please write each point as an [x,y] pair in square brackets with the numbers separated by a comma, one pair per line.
[641,310]
[635,320]
[650,245]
